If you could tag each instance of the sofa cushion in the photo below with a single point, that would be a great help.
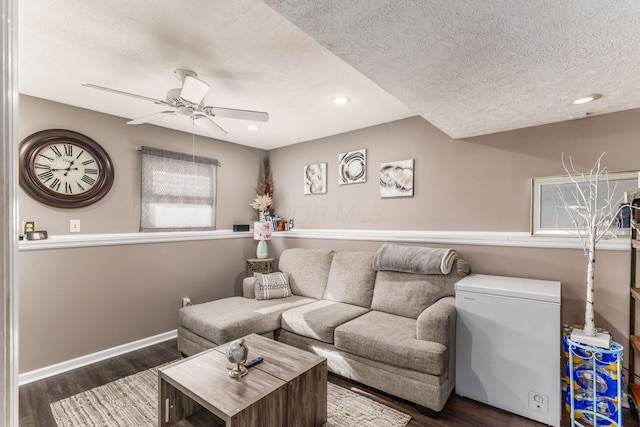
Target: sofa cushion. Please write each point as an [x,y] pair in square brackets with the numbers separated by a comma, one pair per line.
[319,319]
[227,319]
[408,295]
[271,285]
[391,339]
[308,270]
[351,278]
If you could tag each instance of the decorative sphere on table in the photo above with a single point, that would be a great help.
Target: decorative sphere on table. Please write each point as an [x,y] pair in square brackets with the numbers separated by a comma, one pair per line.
[237,353]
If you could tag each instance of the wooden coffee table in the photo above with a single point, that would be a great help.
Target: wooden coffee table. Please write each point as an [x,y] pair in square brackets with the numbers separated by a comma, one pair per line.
[289,388]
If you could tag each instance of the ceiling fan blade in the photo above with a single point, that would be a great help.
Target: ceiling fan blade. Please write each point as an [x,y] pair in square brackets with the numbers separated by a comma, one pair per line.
[207,120]
[119,92]
[230,113]
[151,117]
[193,90]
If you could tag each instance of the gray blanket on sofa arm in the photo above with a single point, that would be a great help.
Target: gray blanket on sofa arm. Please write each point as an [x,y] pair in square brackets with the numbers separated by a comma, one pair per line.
[414,259]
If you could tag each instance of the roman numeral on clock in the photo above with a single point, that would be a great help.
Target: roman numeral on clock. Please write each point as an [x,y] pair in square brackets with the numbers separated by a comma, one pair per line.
[45,176]
[55,185]
[68,150]
[88,180]
[67,188]
[56,150]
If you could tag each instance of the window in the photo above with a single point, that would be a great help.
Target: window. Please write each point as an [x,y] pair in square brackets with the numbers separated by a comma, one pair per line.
[549,216]
[178,191]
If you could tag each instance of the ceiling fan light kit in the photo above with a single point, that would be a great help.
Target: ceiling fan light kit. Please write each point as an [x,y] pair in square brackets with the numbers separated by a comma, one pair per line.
[193,90]
[189,101]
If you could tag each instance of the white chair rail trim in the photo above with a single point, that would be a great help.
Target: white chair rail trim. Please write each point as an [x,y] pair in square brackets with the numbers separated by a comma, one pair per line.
[475,238]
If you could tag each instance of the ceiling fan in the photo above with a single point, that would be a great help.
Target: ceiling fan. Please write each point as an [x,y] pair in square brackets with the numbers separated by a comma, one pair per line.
[188,100]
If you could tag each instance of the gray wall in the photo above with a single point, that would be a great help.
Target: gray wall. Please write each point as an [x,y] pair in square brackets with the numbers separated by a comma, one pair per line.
[74,302]
[115,295]
[119,211]
[478,184]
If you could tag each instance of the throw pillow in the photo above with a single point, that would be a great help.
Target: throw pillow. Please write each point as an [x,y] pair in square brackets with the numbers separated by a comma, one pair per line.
[272,285]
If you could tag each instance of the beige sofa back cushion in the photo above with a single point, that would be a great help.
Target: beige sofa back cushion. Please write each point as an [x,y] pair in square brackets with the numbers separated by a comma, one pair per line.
[408,295]
[351,278]
[308,270]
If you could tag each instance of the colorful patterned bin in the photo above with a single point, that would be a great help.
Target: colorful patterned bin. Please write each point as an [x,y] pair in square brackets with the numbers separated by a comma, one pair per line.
[588,365]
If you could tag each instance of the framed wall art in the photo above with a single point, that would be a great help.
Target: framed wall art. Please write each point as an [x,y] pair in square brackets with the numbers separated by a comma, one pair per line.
[396,179]
[315,178]
[352,167]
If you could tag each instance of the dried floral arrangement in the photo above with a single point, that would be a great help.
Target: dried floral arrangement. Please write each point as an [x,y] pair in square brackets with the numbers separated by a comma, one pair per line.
[263,188]
[262,203]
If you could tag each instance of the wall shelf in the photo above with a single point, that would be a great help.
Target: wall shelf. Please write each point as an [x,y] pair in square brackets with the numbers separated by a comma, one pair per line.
[634,340]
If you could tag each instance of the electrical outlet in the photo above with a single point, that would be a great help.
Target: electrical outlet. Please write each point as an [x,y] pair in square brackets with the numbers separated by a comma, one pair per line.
[74,225]
[28,226]
[186,302]
[538,402]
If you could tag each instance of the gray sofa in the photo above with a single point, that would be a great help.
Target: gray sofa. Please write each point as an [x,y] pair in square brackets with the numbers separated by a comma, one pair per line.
[390,330]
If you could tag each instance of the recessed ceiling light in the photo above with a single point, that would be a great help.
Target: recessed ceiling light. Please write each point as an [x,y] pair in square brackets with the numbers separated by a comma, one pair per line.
[339,100]
[588,98]
[252,127]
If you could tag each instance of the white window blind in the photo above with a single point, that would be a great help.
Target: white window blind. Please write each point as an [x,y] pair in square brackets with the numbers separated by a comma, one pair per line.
[178,191]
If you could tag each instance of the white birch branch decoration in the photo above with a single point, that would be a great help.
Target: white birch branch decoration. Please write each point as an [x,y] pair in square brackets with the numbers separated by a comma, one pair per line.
[592,219]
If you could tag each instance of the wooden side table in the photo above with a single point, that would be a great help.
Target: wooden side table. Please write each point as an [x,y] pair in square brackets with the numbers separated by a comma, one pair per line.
[255,265]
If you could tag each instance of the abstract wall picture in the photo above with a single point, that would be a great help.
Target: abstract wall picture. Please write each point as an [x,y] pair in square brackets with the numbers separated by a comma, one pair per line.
[396,179]
[352,167]
[315,178]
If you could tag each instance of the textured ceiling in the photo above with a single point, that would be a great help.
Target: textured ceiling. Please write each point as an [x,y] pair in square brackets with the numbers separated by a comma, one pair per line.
[468,67]
[476,67]
[251,56]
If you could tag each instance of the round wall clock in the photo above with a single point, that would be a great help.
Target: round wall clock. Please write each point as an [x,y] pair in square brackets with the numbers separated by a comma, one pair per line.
[64,169]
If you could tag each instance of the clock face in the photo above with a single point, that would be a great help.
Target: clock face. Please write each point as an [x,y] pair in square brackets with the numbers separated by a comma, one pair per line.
[64,169]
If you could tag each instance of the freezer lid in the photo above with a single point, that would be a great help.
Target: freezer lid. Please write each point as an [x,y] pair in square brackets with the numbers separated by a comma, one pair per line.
[515,287]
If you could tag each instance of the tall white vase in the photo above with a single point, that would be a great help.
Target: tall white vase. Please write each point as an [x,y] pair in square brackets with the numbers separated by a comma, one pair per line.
[262,251]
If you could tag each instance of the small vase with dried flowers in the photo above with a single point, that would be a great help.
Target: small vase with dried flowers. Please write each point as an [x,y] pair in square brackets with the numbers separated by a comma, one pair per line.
[262,205]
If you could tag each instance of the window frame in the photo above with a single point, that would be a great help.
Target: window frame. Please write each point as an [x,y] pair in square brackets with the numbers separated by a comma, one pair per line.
[150,196]
[537,185]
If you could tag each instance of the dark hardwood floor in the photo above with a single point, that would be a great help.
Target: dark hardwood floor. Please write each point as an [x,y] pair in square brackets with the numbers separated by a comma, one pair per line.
[34,398]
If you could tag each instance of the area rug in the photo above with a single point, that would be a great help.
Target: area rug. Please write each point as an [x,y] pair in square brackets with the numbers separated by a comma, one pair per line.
[133,401]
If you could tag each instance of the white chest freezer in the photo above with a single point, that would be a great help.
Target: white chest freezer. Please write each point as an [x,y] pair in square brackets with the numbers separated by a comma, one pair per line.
[508,345]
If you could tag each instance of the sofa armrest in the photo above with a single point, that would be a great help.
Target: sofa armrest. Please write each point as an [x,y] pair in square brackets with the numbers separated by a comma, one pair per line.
[437,322]
[248,289]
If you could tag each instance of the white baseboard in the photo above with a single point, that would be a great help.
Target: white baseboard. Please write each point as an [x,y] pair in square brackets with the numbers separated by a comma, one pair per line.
[58,368]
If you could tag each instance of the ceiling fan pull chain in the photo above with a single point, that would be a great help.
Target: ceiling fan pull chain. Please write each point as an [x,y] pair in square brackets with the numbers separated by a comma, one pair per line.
[193,139]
